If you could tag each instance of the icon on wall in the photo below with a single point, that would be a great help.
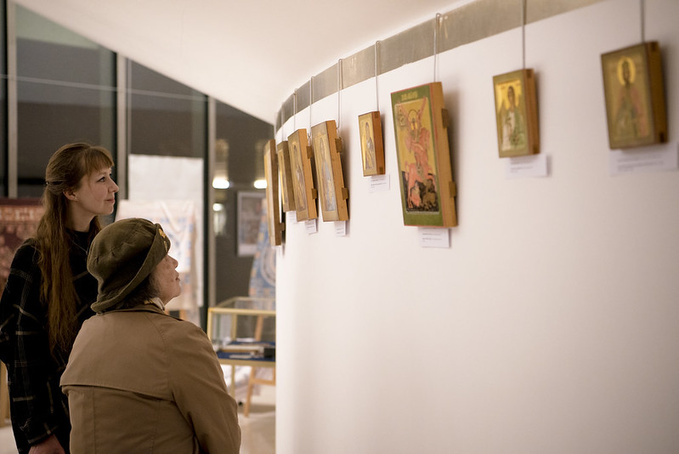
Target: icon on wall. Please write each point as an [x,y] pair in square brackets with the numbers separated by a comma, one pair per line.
[516,114]
[302,177]
[421,129]
[285,177]
[635,102]
[372,150]
[333,194]
[273,214]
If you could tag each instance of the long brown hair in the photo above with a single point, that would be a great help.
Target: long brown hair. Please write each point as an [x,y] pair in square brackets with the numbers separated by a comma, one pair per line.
[65,170]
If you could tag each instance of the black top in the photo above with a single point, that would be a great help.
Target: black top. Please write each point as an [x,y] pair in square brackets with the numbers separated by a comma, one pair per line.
[37,406]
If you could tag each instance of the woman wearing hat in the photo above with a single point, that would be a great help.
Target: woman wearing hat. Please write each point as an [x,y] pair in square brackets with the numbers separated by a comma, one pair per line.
[48,294]
[137,379]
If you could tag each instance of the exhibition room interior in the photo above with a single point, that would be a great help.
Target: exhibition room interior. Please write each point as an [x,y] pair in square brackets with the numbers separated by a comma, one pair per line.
[504,284]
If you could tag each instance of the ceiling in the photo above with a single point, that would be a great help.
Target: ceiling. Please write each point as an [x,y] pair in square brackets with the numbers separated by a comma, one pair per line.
[250,54]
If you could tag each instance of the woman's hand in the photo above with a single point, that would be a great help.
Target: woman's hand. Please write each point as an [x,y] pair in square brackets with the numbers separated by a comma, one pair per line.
[49,446]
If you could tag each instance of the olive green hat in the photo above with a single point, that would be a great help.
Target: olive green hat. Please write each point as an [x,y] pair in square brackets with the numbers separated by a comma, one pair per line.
[122,255]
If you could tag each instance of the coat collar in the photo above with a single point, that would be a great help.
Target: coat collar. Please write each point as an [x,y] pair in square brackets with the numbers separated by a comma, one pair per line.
[150,306]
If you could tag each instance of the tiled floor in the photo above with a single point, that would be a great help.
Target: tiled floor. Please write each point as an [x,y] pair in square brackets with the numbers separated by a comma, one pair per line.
[258,431]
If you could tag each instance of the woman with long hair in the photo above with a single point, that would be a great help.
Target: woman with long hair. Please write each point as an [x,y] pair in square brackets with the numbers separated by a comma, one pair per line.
[49,292]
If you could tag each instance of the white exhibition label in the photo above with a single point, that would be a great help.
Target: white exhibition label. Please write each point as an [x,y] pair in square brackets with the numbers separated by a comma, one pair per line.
[379,183]
[434,237]
[526,166]
[291,217]
[655,158]
[340,228]
[311,226]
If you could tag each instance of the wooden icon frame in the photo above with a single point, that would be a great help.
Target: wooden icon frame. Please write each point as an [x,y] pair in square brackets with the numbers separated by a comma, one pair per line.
[329,176]
[285,176]
[516,114]
[302,176]
[372,145]
[273,213]
[424,162]
[635,96]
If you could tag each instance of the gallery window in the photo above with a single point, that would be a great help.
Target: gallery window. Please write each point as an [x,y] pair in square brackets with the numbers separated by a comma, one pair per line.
[65,91]
[239,162]
[167,118]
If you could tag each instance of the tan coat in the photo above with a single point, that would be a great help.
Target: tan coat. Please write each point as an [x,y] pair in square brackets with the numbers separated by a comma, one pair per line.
[140,381]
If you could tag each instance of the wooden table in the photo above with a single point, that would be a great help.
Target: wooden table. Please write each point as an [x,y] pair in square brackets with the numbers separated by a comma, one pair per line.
[236,359]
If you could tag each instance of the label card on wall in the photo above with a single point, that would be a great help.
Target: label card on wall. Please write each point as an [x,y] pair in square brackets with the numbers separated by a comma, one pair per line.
[310,226]
[340,228]
[434,237]
[654,158]
[291,217]
[379,183]
[526,166]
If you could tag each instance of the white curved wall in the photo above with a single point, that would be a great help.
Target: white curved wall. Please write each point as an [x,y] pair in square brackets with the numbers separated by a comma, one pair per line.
[549,325]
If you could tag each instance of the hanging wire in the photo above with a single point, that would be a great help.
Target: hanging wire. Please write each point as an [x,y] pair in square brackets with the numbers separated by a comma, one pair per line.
[377,91]
[523,34]
[437,21]
[339,92]
[643,13]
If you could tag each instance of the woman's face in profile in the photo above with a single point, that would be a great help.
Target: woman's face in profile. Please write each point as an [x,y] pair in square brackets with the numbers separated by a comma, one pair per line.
[165,279]
[95,193]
